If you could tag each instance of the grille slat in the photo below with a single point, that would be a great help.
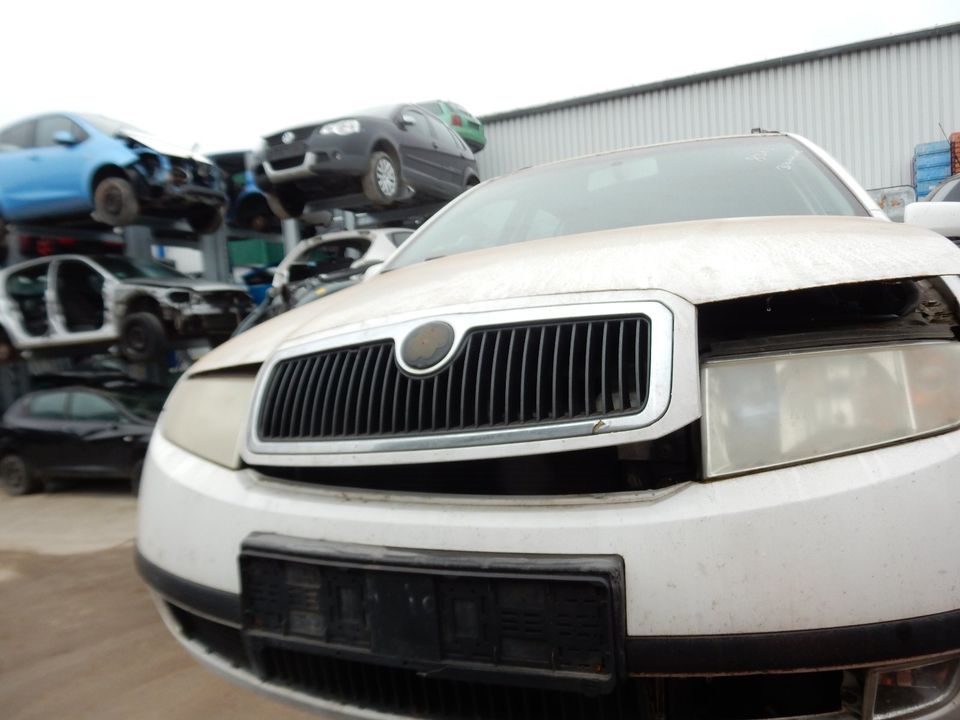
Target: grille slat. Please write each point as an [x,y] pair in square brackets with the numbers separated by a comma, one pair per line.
[501,377]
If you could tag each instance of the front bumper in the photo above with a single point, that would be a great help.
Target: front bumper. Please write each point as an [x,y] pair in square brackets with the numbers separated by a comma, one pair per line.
[846,563]
[317,158]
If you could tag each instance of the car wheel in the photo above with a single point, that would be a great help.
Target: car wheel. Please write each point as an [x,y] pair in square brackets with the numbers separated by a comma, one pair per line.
[135,474]
[285,206]
[381,182]
[205,220]
[16,477]
[115,202]
[255,214]
[142,337]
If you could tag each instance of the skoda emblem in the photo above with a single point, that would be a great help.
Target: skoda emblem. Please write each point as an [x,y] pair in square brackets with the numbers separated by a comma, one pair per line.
[288,137]
[427,345]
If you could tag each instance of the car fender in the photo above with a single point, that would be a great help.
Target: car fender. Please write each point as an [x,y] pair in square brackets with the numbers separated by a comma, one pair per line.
[107,156]
[391,145]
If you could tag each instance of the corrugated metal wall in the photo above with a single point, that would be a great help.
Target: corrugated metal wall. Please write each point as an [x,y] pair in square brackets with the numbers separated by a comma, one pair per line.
[868,108]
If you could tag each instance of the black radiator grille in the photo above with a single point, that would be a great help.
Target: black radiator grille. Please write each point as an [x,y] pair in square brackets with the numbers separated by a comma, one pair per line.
[501,377]
[407,693]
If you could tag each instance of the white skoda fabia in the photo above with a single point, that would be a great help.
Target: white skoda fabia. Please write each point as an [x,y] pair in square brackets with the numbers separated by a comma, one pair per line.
[672,432]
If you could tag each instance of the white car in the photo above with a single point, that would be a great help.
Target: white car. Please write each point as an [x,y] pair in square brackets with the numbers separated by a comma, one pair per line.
[670,432]
[337,251]
[78,303]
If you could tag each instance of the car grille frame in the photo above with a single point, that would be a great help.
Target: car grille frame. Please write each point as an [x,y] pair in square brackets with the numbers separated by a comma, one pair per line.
[264,445]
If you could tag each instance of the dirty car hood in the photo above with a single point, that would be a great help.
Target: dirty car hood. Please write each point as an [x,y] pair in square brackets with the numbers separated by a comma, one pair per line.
[700,261]
[164,147]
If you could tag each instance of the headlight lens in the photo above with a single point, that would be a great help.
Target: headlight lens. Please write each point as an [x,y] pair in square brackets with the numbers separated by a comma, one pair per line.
[903,692]
[340,127]
[206,415]
[766,411]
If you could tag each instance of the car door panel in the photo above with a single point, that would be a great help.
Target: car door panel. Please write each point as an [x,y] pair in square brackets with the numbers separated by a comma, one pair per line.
[416,152]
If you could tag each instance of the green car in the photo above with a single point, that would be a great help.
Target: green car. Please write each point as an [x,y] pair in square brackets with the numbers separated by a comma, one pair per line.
[465,124]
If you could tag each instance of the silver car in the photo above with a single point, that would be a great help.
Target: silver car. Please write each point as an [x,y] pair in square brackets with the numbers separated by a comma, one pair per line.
[75,302]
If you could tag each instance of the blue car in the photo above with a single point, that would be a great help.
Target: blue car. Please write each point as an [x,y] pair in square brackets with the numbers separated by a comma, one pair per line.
[248,208]
[71,165]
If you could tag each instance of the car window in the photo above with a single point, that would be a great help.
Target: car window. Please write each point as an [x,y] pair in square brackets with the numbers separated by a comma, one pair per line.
[27,289]
[125,268]
[398,237]
[444,136]
[88,407]
[432,107]
[48,406]
[49,125]
[17,136]
[732,177]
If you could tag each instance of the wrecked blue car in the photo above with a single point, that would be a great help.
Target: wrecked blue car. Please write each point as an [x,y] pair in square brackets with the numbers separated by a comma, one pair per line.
[70,165]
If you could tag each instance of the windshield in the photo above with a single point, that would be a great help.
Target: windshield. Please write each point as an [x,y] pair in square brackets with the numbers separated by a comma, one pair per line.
[109,126]
[126,268]
[145,404]
[730,177]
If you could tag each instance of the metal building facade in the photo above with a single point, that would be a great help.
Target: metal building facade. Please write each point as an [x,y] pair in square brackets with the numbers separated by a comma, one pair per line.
[868,104]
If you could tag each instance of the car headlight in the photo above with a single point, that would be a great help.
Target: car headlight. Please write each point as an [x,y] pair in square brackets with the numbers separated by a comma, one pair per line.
[340,127]
[766,411]
[206,414]
[909,691]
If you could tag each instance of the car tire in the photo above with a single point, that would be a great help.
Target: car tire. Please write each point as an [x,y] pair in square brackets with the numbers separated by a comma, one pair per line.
[142,337]
[381,183]
[135,474]
[16,477]
[285,206]
[205,220]
[115,202]
[255,214]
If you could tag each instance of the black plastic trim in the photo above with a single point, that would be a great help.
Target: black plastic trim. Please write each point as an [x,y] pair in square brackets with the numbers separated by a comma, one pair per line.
[218,605]
[839,647]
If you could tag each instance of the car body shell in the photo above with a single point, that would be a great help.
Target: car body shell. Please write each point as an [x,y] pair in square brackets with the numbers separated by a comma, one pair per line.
[460,121]
[189,308]
[66,445]
[42,178]
[434,163]
[720,578]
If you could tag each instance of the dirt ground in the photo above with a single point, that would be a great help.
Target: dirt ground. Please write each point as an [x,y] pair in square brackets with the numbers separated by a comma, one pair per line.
[80,637]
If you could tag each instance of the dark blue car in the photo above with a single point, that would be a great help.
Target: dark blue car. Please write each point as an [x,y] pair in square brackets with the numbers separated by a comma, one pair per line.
[248,206]
[71,165]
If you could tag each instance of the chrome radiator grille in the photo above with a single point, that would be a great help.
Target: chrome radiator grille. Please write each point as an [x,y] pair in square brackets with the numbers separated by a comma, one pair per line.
[502,377]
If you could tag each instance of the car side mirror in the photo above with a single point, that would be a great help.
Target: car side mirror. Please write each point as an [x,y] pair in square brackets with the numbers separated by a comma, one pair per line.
[941,217]
[406,120]
[64,137]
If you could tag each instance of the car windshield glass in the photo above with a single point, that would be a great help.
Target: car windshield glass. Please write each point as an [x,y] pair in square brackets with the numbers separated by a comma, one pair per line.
[109,126]
[144,404]
[730,177]
[125,268]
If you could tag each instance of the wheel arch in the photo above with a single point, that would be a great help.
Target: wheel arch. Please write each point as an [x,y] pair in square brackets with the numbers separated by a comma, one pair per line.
[385,145]
[105,171]
[142,302]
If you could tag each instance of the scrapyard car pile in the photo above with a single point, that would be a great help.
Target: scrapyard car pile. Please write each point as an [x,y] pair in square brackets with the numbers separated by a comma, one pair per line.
[668,432]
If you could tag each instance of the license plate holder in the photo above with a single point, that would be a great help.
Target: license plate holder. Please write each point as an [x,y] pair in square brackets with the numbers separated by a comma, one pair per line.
[541,620]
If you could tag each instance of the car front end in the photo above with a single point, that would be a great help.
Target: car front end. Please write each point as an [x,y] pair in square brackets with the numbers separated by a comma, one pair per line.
[702,468]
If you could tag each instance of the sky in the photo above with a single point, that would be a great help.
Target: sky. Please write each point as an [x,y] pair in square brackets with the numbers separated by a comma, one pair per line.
[222,74]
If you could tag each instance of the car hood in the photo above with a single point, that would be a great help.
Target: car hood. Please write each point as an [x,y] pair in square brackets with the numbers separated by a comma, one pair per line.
[163,147]
[700,261]
[188,283]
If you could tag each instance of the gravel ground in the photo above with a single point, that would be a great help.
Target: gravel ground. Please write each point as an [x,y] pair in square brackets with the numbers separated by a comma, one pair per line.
[79,635]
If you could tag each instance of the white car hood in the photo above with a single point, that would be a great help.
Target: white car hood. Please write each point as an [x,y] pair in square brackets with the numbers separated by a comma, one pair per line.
[701,261]
[164,147]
